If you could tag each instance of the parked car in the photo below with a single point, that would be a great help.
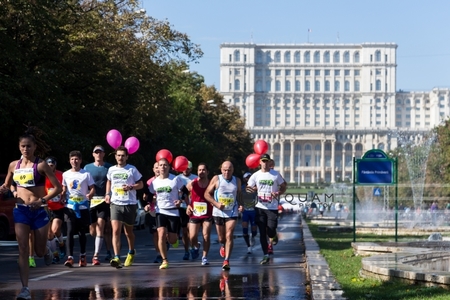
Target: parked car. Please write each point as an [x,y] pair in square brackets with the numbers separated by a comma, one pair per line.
[7,204]
[139,223]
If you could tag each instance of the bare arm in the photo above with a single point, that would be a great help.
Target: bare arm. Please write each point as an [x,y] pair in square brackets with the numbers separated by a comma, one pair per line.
[44,168]
[108,191]
[209,193]
[91,192]
[9,176]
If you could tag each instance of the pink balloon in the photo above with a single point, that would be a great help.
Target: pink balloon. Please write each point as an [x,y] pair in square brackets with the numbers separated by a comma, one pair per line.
[164,153]
[252,161]
[180,163]
[260,147]
[132,144]
[114,138]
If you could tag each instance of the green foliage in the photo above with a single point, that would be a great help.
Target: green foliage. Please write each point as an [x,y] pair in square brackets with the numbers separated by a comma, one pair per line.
[77,69]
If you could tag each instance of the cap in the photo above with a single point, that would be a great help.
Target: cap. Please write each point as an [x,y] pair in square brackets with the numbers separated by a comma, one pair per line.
[248,174]
[189,165]
[265,157]
[98,148]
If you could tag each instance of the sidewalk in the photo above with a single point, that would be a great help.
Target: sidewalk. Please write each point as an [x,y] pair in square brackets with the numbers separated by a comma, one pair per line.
[323,284]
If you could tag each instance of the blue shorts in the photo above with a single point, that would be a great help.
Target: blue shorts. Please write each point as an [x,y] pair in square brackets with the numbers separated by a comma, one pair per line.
[249,216]
[36,218]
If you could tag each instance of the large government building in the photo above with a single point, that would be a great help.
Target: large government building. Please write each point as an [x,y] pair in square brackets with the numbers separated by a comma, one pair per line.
[320,105]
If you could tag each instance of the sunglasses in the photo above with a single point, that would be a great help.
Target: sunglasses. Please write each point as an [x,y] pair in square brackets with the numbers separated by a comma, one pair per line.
[98,151]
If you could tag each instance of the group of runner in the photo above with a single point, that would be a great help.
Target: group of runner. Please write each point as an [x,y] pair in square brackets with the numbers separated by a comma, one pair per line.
[88,199]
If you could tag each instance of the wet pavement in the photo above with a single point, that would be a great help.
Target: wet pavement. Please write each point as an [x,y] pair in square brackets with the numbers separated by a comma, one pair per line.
[283,278]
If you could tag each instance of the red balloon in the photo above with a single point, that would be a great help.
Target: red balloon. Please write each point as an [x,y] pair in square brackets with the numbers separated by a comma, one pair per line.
[180,163]
[252,161]
[164,153]
[260,147]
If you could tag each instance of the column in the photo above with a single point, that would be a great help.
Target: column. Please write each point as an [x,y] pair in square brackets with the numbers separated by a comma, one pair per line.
[322,160]
[292,166]
[333,163]
[282,157]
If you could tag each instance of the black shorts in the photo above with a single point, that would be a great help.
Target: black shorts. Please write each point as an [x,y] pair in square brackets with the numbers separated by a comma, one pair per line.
[172,223]
[184,218]
[70,216]
[200,221]
[221,221]
[101,211]
[58,214]
[151,223]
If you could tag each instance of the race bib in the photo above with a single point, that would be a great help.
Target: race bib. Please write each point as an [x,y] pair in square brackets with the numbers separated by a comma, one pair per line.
[200,209]
[119,193]
[24,177]
[76,198]
[96,200]
[265,198]
[227,200]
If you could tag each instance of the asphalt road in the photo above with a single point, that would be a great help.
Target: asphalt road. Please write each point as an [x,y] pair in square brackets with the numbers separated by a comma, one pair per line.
[283,278]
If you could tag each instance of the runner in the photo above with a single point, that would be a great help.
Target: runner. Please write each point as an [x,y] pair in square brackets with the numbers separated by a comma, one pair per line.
[186,177]
[224,193]
[248,215]
[100,227]
[200,213]
[78,189]
[29,174]
[123,181]
[269,185]
[166,187]
[57,213]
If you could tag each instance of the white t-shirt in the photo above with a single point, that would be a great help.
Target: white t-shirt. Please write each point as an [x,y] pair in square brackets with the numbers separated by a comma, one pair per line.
[166,191]
[77,184]
[123,176]
[266,184]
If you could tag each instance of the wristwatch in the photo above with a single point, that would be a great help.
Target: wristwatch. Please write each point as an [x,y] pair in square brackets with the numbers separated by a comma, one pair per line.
[43,201]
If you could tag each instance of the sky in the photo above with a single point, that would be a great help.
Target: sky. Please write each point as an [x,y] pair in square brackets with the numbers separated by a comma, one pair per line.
[419,28]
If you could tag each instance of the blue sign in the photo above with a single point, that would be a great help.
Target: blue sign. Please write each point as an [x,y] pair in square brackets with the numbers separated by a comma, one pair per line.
[375,171]
[377,192]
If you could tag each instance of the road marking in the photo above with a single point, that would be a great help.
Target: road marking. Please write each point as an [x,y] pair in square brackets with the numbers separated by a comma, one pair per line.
[49,276]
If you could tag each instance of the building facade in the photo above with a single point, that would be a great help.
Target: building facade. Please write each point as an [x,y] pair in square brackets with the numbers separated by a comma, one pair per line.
[320,105]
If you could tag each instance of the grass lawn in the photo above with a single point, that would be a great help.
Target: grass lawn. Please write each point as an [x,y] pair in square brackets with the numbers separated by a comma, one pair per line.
[336,249]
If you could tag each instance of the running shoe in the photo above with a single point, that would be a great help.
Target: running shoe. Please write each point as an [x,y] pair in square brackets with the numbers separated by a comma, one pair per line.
[186,256]
[252,241]
[95,261]
[129,260]
[48,257]
[69,262]
[108,256]
[265,260]
[176,244]
[164,264]
[158,259]
[222,251]
[56,258]
[270,249]
[226,265]
[115,262]
[24,294]
[62,250]
[249,250]
[195,253]
[205,261]
[31,262]
[275,239]
[82,262]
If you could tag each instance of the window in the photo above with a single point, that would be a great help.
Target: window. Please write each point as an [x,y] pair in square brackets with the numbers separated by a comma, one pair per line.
[356,86]
[259,57]
[317,57]
[346,57]
[327,72]
[307,72]
[277,86]
[230,59]
[297,85]
[237,72]
[237,56]
[268,58]
[317,72]
[337,72]
[378,55]
[307,86]
[307,57]
[346,72]
[336,57]
[245,57]
[237,85]
[297,72]
[356,57]
[346,86]
[267,72]
[378,85]
[326,57]
[287,57]
[337,86]
[357,72]
[297,56]
[277,57]
[288,86]
[287,72]
[377,71]
[277,72]
[258,72]
[327,85]
[317,85]
[268,83]
[258,86]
